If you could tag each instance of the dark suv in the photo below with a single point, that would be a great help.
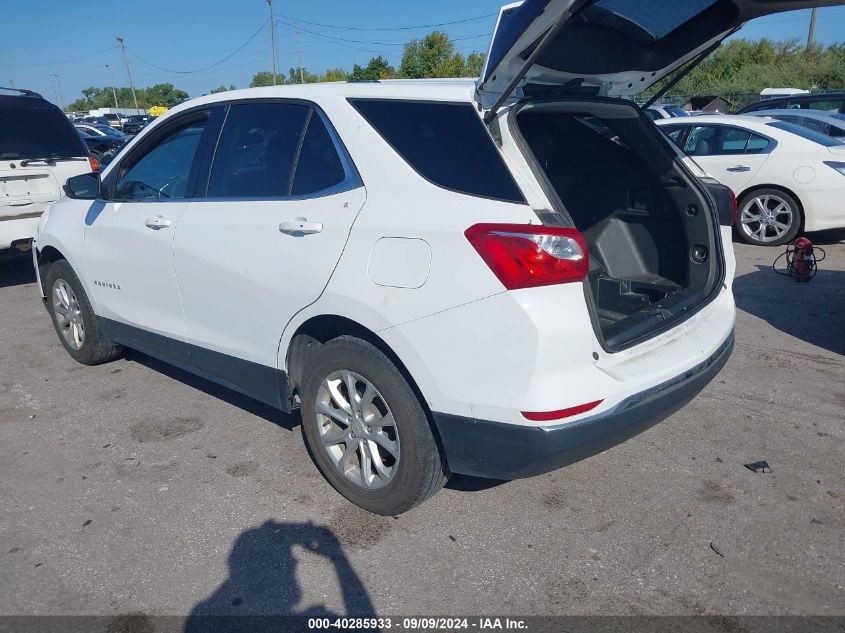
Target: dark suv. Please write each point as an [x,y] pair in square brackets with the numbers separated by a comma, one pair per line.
[825,101]
[136,122]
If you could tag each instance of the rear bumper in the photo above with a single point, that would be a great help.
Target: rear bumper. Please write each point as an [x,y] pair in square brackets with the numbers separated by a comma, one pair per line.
[508,451]
[18,227]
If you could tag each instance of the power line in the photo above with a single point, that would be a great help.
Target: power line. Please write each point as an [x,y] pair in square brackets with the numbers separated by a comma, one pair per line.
[369,42]
[64,61]
[395,28]
[210,66]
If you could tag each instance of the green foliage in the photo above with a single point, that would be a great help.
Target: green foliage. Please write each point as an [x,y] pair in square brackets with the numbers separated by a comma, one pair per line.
[295,77]
[265,78]
[221,89]
[378,68]
[334,74]
[740,69]
[157,95]
[474,64]
[435,56]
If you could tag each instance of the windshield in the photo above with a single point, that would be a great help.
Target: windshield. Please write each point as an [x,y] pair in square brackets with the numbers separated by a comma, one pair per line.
[31,128]
[106,129]
[810,135]
[676,111]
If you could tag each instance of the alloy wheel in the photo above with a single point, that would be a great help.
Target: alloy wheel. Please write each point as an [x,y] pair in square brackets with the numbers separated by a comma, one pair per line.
[766,218]
[68,314]
[357,429]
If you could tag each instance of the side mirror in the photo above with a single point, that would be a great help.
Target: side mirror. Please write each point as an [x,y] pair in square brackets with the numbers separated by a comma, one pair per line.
[84,187]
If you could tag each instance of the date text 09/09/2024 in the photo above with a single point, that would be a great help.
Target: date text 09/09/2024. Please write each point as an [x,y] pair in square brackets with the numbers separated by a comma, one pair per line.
[418,624]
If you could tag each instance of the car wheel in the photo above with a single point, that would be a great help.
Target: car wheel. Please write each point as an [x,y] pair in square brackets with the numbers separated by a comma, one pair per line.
[769,217]
[366,429]
[79,329]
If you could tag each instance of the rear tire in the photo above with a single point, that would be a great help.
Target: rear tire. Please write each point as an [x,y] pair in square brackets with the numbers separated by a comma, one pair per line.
[375,446]
[80,330]
[769,217]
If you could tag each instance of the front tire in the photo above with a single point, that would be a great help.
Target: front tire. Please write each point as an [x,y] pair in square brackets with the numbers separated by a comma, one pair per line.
[366,429]
[769,217]
[79,329]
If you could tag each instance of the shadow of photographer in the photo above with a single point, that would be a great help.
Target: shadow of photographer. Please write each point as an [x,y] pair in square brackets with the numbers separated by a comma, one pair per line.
[262,583]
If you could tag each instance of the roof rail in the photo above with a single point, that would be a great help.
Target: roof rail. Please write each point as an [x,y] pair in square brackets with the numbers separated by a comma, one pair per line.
[23,91]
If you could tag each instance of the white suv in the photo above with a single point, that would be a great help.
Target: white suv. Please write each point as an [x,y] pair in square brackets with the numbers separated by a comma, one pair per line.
[444,276]
[39,151]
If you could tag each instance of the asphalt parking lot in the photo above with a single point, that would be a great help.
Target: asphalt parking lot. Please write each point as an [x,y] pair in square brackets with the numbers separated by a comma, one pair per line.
[136,488]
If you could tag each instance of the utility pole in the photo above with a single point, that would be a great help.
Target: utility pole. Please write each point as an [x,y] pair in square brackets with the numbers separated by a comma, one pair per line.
[61,98]
[273,38]
[299,54]
[812,35]
[113,90]
[129,74]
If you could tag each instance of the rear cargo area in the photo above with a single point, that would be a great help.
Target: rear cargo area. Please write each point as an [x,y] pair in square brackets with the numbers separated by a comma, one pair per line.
[650,230]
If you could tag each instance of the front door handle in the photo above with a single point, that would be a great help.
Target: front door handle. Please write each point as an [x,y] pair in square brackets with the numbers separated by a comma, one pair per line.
[739,168]
[300,226]
[157,223]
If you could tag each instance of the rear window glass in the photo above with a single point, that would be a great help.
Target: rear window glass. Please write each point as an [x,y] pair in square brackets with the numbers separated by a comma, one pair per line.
[655,18]
[803,132]
[446,143]
[30,128]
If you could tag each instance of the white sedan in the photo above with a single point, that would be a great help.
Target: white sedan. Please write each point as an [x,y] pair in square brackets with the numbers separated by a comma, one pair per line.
[786,178]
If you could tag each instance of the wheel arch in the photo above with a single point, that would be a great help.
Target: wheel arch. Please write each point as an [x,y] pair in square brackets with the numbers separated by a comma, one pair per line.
[785,190]
[320,329]
[46,256]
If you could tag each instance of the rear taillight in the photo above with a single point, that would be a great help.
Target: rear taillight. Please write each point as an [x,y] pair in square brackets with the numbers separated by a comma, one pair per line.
[734,207]
[95,164]
[526,256]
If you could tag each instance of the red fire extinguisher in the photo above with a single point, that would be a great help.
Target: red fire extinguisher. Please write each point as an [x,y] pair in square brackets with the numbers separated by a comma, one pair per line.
[801,260]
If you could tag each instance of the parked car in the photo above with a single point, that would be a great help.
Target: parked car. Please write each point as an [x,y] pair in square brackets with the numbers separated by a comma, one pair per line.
[100,129]
[786,178]
[113,120]
[136,122]
[39,151]
[826,101]
[816,120]
[102,147]
[665,111]
[445,277]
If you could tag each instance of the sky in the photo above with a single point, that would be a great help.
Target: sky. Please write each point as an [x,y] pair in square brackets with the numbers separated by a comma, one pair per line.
[44,38]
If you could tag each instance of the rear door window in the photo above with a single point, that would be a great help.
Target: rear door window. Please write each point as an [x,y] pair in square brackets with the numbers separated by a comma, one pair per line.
[723,140]
[446,143]
[257,150]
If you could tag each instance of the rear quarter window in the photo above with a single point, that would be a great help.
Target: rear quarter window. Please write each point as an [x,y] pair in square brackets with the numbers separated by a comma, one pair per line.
[446,143]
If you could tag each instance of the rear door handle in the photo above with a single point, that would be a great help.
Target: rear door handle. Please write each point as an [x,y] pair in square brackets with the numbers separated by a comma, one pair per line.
[157,223]
[739,168]
[300,226]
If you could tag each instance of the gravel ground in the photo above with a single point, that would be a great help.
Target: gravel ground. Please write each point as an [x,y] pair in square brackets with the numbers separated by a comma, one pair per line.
[133,487]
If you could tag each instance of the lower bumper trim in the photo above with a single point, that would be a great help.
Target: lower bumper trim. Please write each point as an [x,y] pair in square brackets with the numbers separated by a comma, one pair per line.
[508,451]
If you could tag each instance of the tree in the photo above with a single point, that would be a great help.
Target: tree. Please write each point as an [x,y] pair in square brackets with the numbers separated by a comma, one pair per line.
[263,78]
[160,94]
[377,68]
[334,74]
[220,89]
[302,75]
[433,56]
[164,95]
[474,64]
